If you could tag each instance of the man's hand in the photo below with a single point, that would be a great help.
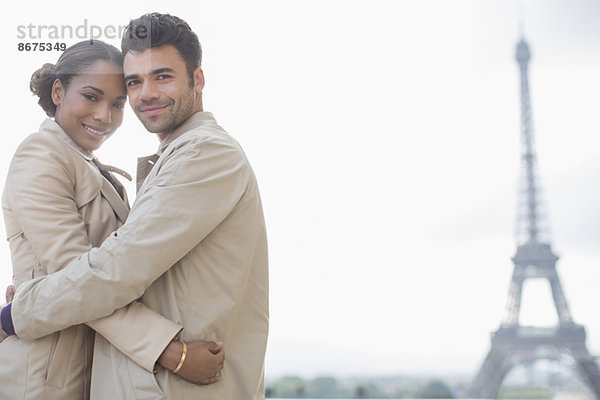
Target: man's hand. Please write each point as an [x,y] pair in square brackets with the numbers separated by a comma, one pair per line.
[202,364]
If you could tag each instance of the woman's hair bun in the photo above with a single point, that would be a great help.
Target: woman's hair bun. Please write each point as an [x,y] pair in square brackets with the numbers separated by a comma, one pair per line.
[41,86]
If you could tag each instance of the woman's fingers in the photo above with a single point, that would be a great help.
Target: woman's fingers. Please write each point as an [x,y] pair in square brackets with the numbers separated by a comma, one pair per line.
[214,347]
[210,380]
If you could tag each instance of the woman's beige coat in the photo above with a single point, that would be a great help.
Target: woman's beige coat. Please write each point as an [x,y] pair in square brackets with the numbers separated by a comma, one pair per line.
[57,206]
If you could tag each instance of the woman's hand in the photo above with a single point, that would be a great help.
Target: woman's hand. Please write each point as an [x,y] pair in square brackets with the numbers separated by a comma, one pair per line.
[203,362]
[10,293]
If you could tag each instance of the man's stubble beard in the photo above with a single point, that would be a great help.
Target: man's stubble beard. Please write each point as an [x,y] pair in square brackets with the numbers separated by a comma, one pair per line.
[176,116]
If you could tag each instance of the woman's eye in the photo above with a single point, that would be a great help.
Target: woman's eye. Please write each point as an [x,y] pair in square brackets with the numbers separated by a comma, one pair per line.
[90,97]
[119,106]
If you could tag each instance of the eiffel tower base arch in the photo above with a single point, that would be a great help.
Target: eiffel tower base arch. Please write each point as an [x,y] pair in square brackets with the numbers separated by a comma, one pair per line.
[514,345]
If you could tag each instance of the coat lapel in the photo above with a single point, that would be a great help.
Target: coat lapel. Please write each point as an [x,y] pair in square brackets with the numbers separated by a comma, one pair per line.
[110,193]
[119,205]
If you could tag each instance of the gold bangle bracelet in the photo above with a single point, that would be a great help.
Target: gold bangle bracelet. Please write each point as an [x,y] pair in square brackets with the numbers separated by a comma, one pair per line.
[183,355]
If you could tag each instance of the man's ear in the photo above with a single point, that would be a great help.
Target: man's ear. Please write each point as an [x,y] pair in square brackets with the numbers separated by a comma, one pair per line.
[58,92]
[198,80]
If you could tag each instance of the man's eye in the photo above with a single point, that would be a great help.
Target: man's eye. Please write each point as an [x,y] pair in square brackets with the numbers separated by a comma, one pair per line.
[163,77]
[132,83]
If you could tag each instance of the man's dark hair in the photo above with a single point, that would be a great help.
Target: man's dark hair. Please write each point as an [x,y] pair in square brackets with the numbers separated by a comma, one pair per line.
[155,29]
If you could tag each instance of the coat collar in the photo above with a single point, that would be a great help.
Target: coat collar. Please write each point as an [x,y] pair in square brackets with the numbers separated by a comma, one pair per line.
[145,164]
[49,126]
[119,205]
[194,121]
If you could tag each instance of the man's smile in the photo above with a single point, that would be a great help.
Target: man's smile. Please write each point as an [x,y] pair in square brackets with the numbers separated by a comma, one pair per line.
[152,110]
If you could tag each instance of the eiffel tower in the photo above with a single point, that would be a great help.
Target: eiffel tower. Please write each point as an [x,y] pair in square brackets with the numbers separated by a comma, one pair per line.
[514,344]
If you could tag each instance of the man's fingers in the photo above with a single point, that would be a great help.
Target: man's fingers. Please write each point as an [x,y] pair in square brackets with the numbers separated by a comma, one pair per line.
[10,293]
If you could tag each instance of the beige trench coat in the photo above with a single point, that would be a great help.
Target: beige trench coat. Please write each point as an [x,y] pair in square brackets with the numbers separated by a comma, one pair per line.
[57,206]
[194,247]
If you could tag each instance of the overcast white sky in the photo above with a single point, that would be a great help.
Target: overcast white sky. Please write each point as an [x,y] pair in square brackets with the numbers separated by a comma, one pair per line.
[385,137]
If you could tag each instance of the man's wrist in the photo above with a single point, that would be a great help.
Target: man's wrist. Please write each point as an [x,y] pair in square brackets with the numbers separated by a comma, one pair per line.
[6,319]
[171,356]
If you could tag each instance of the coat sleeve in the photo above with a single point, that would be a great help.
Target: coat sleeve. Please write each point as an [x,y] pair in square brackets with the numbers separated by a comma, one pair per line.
[45,206]
[196,187]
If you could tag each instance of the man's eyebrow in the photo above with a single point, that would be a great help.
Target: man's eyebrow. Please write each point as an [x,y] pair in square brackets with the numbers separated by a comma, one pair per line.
[153,72]
[162,70]
[95,89]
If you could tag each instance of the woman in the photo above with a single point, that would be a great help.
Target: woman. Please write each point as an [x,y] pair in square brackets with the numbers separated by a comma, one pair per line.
[58,202]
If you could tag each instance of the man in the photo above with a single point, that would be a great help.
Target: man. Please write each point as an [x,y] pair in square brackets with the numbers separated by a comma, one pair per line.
[195,237]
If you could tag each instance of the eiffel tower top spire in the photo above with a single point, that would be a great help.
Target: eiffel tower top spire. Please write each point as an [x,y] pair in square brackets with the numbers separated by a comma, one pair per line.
[534,252]
[529,224]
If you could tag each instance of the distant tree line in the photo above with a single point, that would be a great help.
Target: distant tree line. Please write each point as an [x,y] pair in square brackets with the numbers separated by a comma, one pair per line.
[330,388]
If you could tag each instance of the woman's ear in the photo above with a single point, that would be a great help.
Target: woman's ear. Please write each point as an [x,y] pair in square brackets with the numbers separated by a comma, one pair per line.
[58,92]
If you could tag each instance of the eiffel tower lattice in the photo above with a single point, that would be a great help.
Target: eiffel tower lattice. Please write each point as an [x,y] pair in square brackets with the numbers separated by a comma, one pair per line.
[514,344]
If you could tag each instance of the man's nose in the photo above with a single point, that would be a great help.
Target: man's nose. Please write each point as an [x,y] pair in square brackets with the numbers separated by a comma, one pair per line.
[148,91]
